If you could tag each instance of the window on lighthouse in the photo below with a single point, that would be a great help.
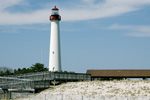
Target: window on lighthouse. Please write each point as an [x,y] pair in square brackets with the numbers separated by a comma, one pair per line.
[55,12]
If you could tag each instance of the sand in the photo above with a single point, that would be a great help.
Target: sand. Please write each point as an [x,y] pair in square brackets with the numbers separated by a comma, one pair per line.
[96,89]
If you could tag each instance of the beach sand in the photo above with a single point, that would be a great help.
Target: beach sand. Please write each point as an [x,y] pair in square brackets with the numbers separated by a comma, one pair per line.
[96,89]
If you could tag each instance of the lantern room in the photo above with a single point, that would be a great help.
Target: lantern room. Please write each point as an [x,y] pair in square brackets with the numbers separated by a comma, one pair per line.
[55,14]
[55,11]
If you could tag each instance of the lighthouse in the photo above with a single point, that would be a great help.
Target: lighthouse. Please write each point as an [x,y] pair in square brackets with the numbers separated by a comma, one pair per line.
[55,54]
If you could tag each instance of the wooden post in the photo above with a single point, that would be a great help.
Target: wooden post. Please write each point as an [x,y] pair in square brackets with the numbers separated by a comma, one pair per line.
[144,78]
[9,94]
[54,82]
[82,97]
[45,96]
[62,96]
[4,94]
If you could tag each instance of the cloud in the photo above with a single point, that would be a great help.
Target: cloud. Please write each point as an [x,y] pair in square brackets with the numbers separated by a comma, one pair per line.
[85,10]
[19,28]
[7,3]
[135,31]
[24,18]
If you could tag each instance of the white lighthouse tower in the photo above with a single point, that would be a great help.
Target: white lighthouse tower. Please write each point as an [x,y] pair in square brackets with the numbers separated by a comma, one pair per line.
[54,54]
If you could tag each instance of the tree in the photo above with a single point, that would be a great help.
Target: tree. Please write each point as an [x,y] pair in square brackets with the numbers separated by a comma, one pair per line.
[38,67]
[68,72]
[19,71]
[6,71]
[24,70]
[1,73]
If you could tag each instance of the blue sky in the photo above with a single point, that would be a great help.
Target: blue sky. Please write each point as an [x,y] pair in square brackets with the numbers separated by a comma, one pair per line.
[95,34]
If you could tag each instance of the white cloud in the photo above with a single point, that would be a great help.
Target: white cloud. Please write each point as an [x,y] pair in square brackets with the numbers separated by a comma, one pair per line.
[7,3]
[88,9]
[24,18]
[135,31]
[88,1]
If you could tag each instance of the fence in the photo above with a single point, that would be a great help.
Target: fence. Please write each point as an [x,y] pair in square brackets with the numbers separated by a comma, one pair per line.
[26,81]
[1,92]
[30,82]
[53,76]
[15,83]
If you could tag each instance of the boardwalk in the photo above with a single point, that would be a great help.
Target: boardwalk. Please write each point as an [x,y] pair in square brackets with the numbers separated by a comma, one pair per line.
[40,80]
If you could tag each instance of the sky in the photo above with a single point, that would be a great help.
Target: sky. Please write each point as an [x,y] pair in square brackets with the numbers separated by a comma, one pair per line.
[95,34]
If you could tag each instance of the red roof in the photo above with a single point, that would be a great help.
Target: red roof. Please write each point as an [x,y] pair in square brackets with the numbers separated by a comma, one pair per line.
[55,8]
[120,73]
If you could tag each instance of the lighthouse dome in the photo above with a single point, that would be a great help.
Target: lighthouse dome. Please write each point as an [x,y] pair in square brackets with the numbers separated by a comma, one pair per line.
[55,14]
[55,11]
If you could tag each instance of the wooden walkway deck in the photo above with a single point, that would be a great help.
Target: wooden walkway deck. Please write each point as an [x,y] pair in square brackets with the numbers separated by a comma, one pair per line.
[39,80]
[34,81]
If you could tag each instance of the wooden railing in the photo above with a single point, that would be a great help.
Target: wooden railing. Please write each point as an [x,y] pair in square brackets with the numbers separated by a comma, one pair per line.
[27,81]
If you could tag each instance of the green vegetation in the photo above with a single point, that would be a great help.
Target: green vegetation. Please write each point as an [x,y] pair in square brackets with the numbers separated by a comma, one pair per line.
[38,67]
[68,72]
[5,71]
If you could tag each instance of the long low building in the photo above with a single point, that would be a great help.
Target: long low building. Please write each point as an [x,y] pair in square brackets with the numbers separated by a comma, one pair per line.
[119,73]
